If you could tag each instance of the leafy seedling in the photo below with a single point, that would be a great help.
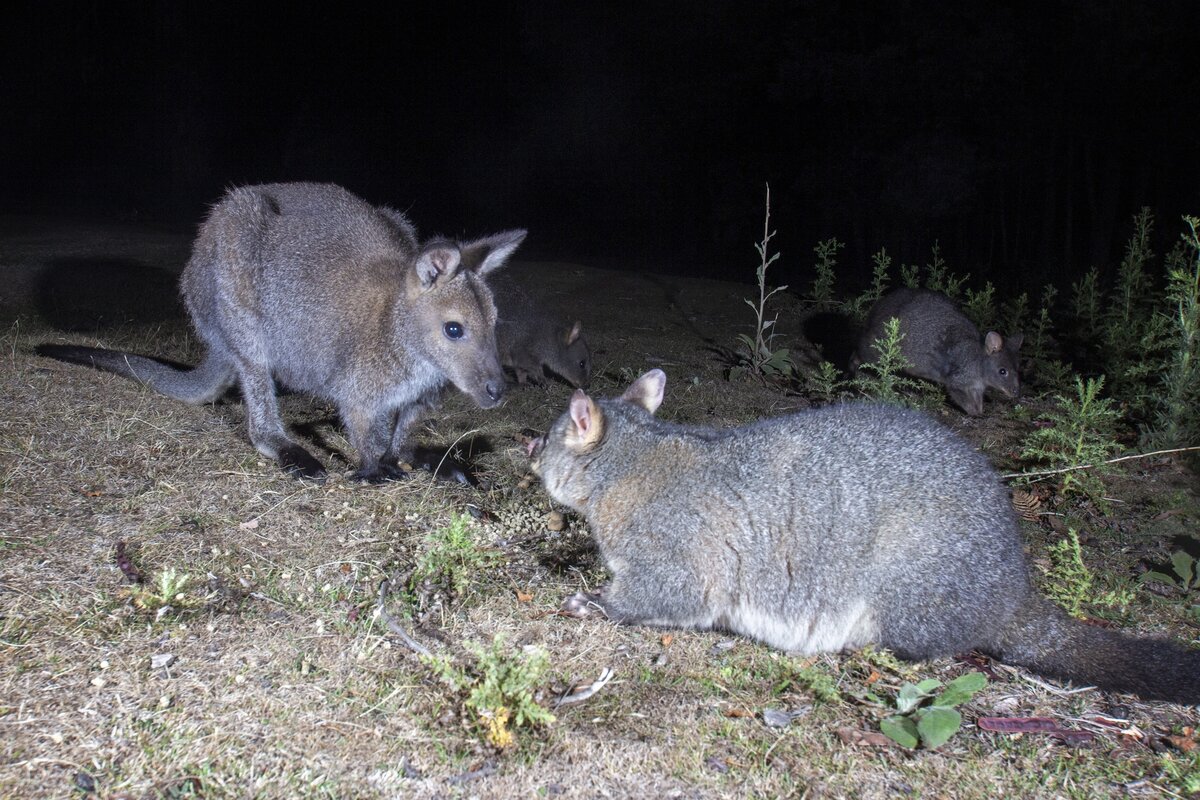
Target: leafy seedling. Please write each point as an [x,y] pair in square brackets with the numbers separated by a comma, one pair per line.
[1185,576]
[927,719]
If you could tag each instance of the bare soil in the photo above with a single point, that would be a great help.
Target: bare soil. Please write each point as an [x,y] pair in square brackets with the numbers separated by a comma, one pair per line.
[283,682]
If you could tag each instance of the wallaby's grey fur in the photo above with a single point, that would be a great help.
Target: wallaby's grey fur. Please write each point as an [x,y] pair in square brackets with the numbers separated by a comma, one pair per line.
[820,531]
[309,284]
[530,339]
[943,346]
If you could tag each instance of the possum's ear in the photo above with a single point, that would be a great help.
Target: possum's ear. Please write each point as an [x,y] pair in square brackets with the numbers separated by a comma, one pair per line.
[588,421]
[647,391]
[437,262]
[491,252]
[993,343]
[574,333]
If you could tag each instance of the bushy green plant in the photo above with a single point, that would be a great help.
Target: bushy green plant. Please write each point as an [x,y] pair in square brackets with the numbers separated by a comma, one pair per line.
[1128,308]
[882,379]
[1077,439]
[755,354]
[820,296]
[927,717]
[1071,584]
[500,689]
[452,558]
[1170,368]
[825,383]
[858,308]
[980,307]
[939,278]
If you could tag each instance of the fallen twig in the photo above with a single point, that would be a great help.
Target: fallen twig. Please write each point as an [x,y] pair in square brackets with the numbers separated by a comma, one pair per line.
[1093,466]
[395,627]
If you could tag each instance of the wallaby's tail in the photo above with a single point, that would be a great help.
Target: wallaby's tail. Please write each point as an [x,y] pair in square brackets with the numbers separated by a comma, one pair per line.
[1045,639]
[202,384]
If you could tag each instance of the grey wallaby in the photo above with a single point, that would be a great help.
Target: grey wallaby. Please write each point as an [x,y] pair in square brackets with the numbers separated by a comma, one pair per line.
[310,285]
[824,530]
[531,339]
[943,346]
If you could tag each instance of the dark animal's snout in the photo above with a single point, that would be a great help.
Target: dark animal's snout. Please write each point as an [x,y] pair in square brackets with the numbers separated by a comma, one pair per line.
[495,390]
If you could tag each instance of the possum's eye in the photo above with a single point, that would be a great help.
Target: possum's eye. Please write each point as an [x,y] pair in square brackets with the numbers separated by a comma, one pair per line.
[454,330]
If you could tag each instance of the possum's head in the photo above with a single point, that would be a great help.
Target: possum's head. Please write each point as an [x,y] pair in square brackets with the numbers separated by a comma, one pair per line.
[454,315]
[561,458]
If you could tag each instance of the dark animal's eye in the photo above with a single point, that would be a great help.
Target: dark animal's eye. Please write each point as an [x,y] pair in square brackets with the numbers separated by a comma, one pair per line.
[1003,372]
[454,330]
[583,365]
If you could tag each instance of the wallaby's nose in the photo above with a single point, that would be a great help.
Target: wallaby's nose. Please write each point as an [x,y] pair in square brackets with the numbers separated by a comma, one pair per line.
[495,390]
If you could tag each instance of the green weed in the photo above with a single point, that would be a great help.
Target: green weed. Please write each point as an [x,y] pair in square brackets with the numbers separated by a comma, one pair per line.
[928,719]
[755,354]
[500,689]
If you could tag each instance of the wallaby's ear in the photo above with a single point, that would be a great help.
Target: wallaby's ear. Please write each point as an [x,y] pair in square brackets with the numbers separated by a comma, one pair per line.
[589,422]
[437,262]
[1013,342]
[993,343]
[647,391]
[491,252]
[573,334]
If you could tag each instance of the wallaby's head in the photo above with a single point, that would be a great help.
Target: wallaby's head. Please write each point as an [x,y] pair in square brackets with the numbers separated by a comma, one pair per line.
[451,313]
[1000,367]
[561,457]
[572,358]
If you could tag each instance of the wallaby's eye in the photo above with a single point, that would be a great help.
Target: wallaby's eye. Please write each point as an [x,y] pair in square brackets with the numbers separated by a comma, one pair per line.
[1003,372]
[454,330]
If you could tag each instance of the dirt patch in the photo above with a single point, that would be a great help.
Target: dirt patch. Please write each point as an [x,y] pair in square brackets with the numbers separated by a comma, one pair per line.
[274,676]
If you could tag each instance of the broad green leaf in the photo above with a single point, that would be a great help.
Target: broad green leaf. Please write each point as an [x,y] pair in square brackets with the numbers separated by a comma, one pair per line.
[1184,566]
[961,689]
[928,685]
[901,730]
[937,725]
[909,697]
[1161,577]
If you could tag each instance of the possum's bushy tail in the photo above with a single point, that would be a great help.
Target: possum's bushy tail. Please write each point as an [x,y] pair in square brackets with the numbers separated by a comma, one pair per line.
[1044,639]
[201,384]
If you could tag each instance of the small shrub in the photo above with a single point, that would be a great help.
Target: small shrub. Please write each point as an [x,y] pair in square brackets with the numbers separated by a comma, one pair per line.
[820,296]
[1185,577]
[1072,585]
[1079,435]
[858,308]
[500,689]
[882,379]
[453,558]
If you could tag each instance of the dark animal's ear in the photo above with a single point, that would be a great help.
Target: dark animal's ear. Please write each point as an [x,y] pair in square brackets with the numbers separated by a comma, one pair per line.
[993,343]
[647,391]
[574,333]
[437,262]
[492,252]
[587,422]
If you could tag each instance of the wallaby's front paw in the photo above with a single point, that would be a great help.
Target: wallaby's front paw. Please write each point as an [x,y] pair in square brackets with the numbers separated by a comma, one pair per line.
[381,474]
[582,604]
[297,462]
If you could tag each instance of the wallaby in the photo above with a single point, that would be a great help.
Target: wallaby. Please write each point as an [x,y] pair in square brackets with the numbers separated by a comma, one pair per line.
[823,530]
[531,340]
[310,285]
[942,345]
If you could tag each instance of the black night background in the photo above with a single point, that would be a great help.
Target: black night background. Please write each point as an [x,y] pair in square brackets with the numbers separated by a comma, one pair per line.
[632,135]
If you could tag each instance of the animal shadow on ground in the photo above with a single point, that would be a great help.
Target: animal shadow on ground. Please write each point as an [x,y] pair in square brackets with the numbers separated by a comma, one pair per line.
[87,294]
[834,334]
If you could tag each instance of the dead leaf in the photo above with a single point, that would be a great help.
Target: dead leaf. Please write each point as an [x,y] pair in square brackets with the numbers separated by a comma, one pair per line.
[582,691]
[873,677]
[249,524]
[1018,724]
[738,712]
[869,738]
[523,597]
[345,568]
[1183,744]
[666,639]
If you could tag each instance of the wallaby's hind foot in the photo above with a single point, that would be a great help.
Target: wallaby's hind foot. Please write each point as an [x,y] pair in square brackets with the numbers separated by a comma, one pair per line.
[381,473]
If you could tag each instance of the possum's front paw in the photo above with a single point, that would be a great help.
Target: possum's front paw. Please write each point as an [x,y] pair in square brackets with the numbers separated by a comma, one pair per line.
[583,604]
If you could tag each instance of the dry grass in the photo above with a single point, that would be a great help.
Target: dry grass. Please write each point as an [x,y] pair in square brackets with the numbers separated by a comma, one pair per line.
[285,684]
